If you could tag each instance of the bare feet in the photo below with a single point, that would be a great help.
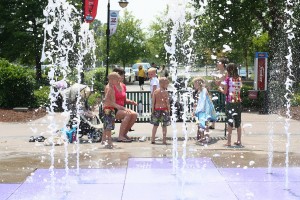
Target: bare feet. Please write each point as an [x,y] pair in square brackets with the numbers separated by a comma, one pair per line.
[237,143]
[227,145]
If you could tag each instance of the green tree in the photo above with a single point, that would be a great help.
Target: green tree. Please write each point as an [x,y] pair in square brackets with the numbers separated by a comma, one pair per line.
[128,43]
[21,31]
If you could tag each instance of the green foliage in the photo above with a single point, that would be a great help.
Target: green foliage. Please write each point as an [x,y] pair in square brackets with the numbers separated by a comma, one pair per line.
[94,99]
[296,100]
[41,97]
[16,86]
[96,75]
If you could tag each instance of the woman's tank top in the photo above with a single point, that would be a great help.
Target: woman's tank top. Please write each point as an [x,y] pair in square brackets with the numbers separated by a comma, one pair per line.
[120,95]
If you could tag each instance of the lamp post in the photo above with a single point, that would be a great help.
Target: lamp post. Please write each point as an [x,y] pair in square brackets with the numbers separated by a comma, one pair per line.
[123,4]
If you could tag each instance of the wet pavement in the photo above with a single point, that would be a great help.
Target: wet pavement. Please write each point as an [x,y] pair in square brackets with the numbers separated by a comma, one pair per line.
[242,170]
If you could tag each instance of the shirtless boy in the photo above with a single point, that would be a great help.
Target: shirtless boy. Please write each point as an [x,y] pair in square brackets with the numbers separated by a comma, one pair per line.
[160,109]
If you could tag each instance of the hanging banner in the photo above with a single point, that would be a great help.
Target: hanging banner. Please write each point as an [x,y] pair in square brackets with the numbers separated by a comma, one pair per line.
[113,21]
[90,10]
[260,70]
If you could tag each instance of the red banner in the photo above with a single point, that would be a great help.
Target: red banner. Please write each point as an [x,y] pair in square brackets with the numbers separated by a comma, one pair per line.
[90,10]
[261,73]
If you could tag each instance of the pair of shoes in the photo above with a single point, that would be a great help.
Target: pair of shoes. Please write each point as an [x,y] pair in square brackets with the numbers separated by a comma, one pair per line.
[210,127]
[38,139]
[237,143]
[124,140]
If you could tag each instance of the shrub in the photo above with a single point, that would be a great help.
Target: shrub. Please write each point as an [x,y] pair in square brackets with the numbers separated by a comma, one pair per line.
[98,77]
[41,97]
[16,85]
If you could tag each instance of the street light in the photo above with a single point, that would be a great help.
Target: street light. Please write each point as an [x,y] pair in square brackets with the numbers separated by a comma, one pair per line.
[123,4]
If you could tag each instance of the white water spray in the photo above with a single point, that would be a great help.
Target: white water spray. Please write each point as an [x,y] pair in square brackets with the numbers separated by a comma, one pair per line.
[288,83]
[60,41]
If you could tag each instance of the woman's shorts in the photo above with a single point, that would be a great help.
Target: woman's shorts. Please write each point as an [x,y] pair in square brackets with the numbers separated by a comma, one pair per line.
[109,119]
[233,114]
[160,116]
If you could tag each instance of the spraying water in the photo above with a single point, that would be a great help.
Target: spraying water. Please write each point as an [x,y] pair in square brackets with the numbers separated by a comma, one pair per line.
[288,83]
[60,40]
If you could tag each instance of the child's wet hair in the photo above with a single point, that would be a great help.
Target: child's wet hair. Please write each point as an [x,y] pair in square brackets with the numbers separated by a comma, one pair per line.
[162,80]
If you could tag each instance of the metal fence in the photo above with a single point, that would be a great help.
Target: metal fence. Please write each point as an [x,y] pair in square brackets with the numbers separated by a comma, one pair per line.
[143,99]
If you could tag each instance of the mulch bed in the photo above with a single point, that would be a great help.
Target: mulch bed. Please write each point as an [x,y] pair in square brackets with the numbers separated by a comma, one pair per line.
[10,115]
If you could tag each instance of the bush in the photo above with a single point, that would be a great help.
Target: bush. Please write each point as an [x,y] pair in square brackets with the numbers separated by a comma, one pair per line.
[94,100]
[41,97]
[16,86]
[98,77]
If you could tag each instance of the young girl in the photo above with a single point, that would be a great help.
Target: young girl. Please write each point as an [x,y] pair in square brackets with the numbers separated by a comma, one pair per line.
[204,110]
[232,89]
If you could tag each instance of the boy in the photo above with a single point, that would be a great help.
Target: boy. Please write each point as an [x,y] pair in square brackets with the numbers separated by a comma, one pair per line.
[154,83]
[160,109]
[109,106]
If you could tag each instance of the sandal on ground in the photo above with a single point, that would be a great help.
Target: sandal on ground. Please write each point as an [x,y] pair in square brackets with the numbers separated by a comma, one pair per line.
[124,140]
[210,127]
[130,130]
[41,139]
[32,139]
[237,143]
[152,142]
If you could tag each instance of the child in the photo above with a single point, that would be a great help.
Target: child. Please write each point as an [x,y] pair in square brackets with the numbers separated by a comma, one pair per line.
[160,109]
[142,76]
[109,106]
[204,110]
[154,83]
[232,89]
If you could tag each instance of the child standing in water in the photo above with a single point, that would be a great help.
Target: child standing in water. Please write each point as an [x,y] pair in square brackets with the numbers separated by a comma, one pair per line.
[204,110]
[160,109]
[232,90]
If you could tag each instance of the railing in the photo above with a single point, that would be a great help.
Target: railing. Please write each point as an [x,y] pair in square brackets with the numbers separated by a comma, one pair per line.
[144,104]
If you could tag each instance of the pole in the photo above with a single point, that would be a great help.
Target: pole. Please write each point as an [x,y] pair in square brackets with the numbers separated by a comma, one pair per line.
[107,42]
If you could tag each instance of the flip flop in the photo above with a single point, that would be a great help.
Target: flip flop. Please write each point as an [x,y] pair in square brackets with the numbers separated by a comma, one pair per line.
[130,130]
[124,140]
[32,139]
[237,144]
[41,139]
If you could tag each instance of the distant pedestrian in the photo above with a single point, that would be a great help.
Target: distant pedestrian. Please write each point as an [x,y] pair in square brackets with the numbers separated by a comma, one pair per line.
[232,89]
[160,109]
[142,76]
[164,72]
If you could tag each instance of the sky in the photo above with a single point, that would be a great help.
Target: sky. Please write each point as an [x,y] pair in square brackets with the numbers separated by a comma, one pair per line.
[145,10]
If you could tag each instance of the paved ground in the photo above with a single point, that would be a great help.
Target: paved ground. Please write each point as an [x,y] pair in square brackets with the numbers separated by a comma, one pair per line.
[19,158]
